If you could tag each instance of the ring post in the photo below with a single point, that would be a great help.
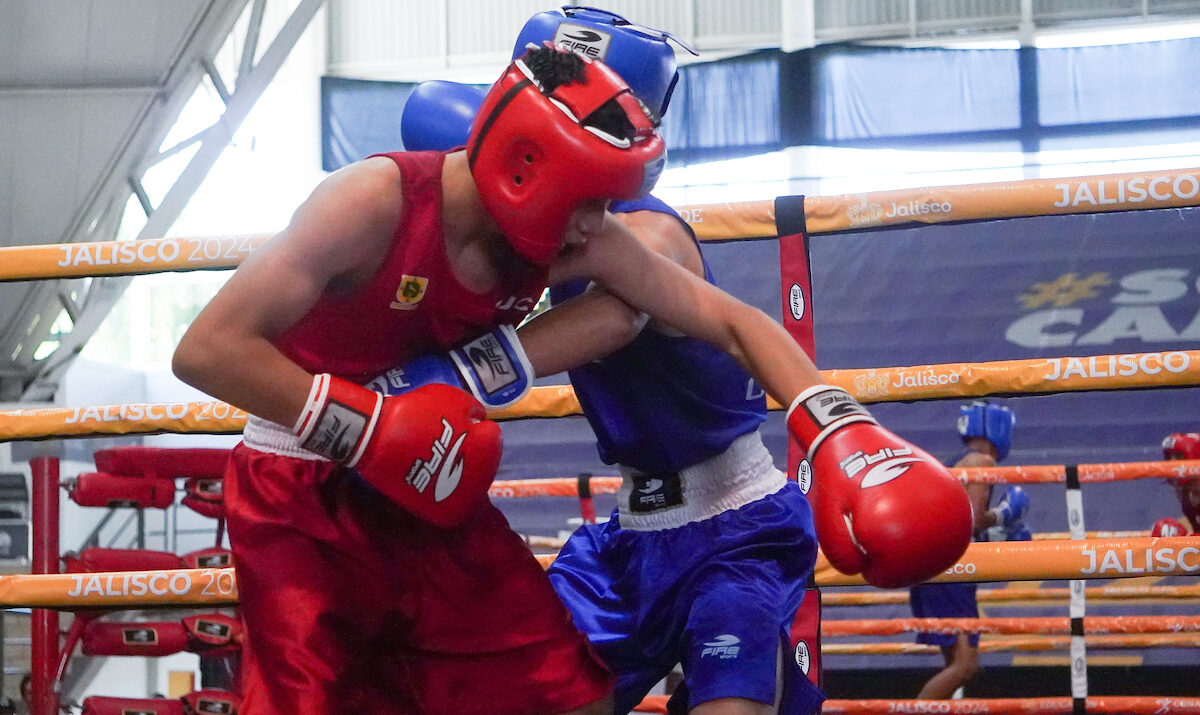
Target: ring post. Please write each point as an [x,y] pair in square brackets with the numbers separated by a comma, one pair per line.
[45,560]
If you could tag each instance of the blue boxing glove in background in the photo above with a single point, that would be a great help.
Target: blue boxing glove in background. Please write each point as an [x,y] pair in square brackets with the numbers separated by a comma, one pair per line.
[492,367]
[1011,510]
[1010,516]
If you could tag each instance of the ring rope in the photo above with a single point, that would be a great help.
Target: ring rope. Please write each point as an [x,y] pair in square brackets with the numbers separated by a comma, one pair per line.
[126,258]
[1108,593]
[1094,625]
[554,542]
[1027,644]
[711,222]
[120,589]
[1047,560]
[1060,535]
[1052,560]
[1007,561]
[923,382]
[1092,473]
[1097,705]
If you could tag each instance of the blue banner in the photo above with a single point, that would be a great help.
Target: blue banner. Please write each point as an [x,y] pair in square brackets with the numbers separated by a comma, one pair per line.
[1093,284]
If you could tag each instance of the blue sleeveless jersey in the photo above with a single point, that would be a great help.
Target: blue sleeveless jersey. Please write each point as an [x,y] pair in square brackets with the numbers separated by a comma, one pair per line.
[664,402]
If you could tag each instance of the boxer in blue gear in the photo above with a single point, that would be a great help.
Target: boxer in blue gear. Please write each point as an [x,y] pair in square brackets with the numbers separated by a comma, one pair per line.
[710,550]
[986,431]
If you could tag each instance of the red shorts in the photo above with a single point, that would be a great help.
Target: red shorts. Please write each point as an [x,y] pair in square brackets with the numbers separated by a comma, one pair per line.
[353,606]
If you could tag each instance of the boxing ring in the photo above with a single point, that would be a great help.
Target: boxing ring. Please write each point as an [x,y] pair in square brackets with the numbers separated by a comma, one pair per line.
[1076,555]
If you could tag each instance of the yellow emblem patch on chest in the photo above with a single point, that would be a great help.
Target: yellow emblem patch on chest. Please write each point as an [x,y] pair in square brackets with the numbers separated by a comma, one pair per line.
[410,292]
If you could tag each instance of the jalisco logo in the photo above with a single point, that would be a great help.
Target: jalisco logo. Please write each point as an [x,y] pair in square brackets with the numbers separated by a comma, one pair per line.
[1136,190]
[1167,560]
[1185,471]
[864,214]
[1169,705]
[870,214]
[964,567]
[143,412]
[871,384]
[1096,367]
[931,706]
[917,208]
[150,252]
[925,377]
[152,583]
[1066,311]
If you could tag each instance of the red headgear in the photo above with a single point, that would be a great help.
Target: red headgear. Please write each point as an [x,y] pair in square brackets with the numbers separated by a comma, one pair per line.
[1181,445]
[535,158]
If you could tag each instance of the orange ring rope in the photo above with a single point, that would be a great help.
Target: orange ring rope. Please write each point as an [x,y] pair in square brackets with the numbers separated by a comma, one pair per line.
[1049,560]
[125,258]
[1025,644]
[1091,473]
[123,589]
[922,382]
[1111,592]
[711,222]
[1011,626]
[1097,705]
[1060,535]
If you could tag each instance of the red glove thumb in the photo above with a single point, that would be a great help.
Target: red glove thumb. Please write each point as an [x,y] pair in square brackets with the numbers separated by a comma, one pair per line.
[1167,527]
[830,521]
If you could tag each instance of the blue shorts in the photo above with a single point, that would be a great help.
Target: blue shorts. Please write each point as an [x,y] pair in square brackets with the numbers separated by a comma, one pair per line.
[716,595]
[944,600]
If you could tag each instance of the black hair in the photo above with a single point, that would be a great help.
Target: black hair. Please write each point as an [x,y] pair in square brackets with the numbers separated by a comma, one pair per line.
[553,68]
[612,119]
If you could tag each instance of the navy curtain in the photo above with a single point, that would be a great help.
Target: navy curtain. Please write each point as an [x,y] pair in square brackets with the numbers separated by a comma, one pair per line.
[852,95]
[359,118]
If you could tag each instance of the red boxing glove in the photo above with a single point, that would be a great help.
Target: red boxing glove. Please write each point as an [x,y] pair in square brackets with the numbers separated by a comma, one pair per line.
[1168,527]
[882,507]
[203,702]
[213,634]
[101,705]
[431,451]
[205,496]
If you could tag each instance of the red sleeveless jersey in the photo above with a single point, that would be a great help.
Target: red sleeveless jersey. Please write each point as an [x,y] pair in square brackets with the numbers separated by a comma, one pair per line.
[414,302]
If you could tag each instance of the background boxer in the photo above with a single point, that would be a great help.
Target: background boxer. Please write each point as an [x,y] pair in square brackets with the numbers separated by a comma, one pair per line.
[986,431]
[1182,445]
[703,518]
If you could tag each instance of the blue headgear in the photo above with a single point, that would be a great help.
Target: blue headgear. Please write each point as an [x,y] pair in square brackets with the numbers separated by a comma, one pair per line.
[641,55]
[992,422]
[437,115]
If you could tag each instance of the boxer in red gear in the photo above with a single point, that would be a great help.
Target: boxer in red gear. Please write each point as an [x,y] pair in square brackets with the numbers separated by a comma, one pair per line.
[374,575]
[1185,445]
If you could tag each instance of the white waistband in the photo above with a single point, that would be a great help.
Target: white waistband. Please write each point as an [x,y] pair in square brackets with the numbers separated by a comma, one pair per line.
[266,436]
[741,474]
